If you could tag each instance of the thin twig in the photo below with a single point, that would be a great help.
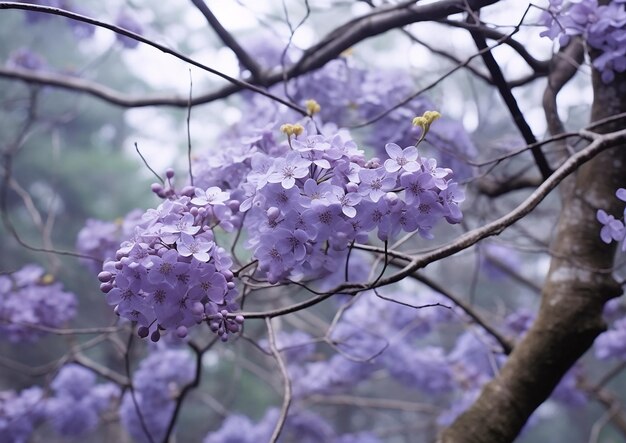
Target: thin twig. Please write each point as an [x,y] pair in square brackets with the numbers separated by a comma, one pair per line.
[226,37]
[188,387]
[189,130]
[282,418]
[131,388]
[507,95]
[101,24]
[145,162]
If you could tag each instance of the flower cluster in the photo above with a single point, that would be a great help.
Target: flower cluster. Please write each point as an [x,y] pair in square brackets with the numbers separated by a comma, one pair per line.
[309,204]
[19,414]
[157,383]
[31,298]
[369,344]
[100,239]
[602,26]
[171,274]
[77,401]
[348,94]
[301,426]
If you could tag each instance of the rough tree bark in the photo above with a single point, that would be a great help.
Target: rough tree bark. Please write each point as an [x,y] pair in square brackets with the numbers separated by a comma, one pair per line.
[578,284]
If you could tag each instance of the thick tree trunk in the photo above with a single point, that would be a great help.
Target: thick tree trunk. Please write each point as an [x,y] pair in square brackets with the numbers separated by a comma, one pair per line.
[578,285]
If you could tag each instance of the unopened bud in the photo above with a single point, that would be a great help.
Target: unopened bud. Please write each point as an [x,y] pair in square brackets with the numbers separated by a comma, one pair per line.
[155,336]
[312,107]
[143,331]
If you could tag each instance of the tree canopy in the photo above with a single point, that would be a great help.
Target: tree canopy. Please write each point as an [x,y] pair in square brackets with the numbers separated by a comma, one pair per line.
[312,221]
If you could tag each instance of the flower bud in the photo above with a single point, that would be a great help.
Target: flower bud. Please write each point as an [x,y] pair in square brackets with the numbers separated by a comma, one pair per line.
[181,332]
[352,187]
[105,276]
[155,336]
[143,331]
[273,213]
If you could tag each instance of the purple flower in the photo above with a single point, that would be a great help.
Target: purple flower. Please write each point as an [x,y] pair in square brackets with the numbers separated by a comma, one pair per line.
[415,185]
[77,402]
[281,197]
[346,200]
[439,174]
[20,413]
[375,183]
[316,193]
[166,268]
[612,229]
[401,159]
[273,261]
[210,196]
[327,220]
[292,242]
[198,247]
[29,297]
[429,210]
[175,224]
[287,170]
[177,308]
[209,283]
[450,198]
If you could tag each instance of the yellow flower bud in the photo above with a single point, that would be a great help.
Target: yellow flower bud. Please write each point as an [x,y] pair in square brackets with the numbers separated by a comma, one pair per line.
[419,121]
[47,279]
[287,128]
[312,107]
[431,116]
[424,121]
[290,130]
[297,129]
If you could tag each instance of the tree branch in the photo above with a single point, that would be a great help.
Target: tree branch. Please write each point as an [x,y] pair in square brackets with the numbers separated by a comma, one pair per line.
[578,285]
[510,101]
[242,84]
[282,418]
[539,66]
[242,55]
[315,57]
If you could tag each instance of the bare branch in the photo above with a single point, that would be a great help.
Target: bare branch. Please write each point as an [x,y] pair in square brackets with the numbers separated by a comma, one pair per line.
[495,188]
[237,82]
[507,346]
[188,387]
[375,403]
[103,371]
[242,55]
[510,101]
[342,38]
[539,66]
[562,68]
[286,382]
